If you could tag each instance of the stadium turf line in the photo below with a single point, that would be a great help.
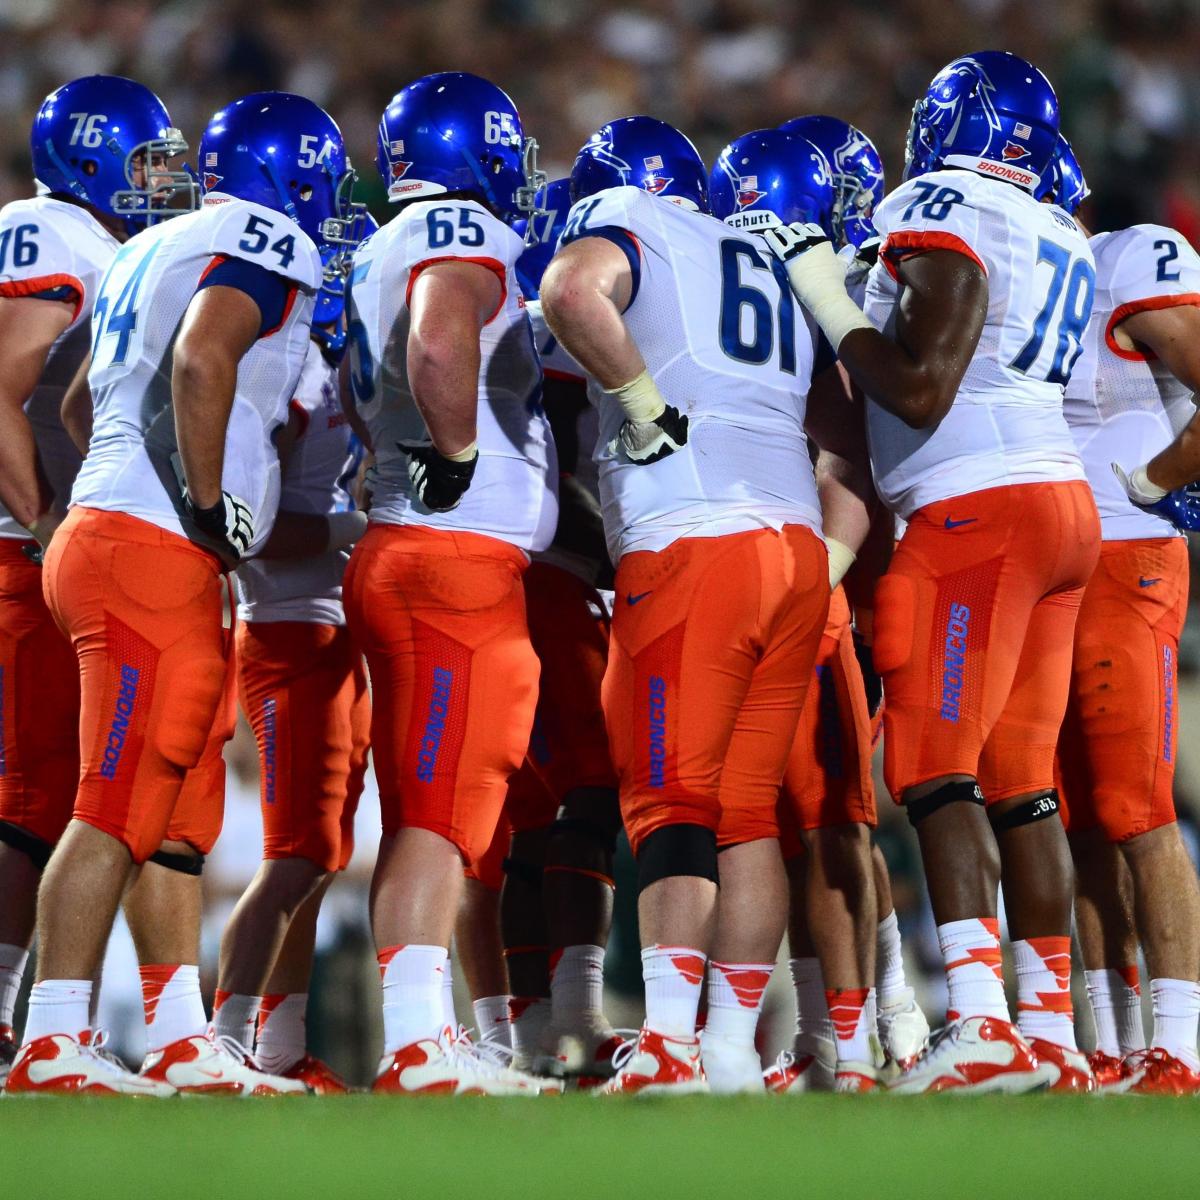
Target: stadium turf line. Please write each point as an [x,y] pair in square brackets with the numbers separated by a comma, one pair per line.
[583,1147]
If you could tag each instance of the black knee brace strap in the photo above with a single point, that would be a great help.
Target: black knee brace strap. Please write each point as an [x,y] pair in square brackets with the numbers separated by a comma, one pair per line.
[591,831]
[28,843]
[677,850]
[965,791]
[527,872]
[185,864]
[1036,808]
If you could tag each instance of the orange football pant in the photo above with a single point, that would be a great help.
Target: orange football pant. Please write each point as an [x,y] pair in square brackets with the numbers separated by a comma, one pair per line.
[713,644]
[974,623]
[1116,753]
[303,688]
[440,616]
[142,607]
[828,777]
[39,702]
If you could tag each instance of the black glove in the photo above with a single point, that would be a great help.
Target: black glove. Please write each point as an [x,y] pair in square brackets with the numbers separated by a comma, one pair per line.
[647,441]
[871,680]
[439,482]
[228,522]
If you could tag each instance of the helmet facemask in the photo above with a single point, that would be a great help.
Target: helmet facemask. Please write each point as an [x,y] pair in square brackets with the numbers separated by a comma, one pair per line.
[163,192]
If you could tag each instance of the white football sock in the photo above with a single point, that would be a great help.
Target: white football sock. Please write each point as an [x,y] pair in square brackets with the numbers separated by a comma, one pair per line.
[812,1013]
[171,1002]
[282,1034]
[12,969]
[449,1016]
[413,1000]
[673,976]
[58,1006]
[492,1019]
[735,999]
[1044,989]
[1115,996]
[852,1012]
[233,1017]
[971,951]
[576,984]
[890,983]
[528,1018]
[1176,1012]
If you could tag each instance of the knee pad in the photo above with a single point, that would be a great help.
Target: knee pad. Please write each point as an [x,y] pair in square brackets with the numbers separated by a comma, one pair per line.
[1036,808]
[602,837]
[185,864]
[29,844]
[677,850]
[527,872]
[965,791]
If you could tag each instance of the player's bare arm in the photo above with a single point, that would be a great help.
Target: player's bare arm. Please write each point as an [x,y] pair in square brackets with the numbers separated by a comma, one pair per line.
[1173,335]
[28,329]
[585,290]
[835,422]
[76,408]
[450,304]
[220,325]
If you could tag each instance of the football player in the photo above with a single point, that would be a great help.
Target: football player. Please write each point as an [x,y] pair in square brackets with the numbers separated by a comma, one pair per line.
[101,147]
[199,335]
[303,688]
[1128,396]
[983,296]
[700,363]
[448,383]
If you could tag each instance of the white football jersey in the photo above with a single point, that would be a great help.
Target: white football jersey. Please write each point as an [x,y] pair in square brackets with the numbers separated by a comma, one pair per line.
[716,324]
[142,301]
[1006,425]
[316,480]
[1122,407]
[47,244]
[513,495]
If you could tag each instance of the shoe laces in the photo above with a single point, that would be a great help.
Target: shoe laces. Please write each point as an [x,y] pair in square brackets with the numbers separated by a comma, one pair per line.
[625,1051]
[98,1045]
[230,1047]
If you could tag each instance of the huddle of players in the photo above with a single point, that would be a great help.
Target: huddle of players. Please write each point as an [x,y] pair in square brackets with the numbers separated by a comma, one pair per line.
[739,728]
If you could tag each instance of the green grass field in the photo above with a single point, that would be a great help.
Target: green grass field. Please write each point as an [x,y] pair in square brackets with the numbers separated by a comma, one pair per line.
[583,1146]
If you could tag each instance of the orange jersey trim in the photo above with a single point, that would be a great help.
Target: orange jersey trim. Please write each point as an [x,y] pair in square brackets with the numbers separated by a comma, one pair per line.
[900,246]
[493,264]
[1150,304]
[17,288]
[565,376]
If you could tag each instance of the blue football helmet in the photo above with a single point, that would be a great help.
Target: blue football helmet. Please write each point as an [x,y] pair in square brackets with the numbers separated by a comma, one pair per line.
[92,134]
[541,233]
[284,152]
[641,152]
[328,328]
[455,132]
[768,178]
[1062,181]
[990,112]
[857,173]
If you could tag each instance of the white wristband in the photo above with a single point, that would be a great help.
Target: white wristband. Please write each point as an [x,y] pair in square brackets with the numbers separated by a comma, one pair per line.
[819,280]
[841,559]
[464,455]
[640,399]
[345,528]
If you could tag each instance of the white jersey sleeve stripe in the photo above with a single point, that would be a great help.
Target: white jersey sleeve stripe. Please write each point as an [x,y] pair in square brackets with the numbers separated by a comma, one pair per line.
[1149,304]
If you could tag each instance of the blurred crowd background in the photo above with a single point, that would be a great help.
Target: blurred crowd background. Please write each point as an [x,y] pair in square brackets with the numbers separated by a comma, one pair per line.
[1125,71]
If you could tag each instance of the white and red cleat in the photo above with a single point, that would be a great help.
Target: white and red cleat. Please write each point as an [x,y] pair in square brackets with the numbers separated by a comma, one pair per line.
[1107,1069]
[452,1066]
[903,1030]
[980,1054]
[1155,1072]
[319,1077]
[657,1065]
[60,1065]
[206,1064]
[8,1052]
[1067,1070]
[584,1051]
[858,1077]
[730,1067]
[810,1066]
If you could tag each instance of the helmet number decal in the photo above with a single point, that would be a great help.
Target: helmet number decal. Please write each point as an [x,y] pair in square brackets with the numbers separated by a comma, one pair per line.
[87,131]
[499,129]
[310,155]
